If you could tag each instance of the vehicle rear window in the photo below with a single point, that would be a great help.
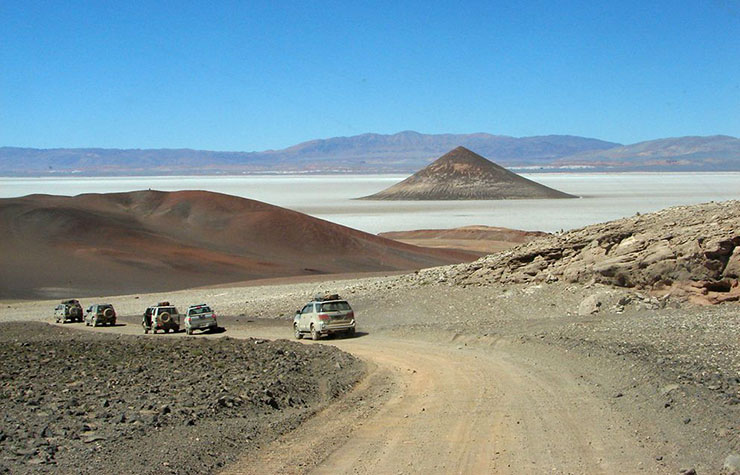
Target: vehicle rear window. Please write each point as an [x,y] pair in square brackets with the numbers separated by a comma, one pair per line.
[334,307]
[200,310]
[169,310]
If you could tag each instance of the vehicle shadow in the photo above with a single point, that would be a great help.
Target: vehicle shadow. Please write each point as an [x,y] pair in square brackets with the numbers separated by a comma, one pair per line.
[212,331]
[349,337]
[100,325]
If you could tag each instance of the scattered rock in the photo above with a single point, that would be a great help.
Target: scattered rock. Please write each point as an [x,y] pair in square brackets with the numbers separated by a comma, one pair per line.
[732,464]
[589,305]
[99,413]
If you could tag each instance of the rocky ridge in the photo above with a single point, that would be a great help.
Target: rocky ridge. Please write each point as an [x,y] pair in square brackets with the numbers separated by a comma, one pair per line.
[691,252]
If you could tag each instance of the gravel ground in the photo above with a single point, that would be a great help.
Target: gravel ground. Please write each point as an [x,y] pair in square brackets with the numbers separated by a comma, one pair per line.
[674,367]
[89,402]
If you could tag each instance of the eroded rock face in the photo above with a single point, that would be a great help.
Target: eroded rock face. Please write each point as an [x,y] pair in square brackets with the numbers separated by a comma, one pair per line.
[689,249]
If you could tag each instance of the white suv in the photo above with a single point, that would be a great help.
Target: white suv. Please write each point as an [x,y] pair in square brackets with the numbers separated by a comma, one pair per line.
[324,316]
[162,316]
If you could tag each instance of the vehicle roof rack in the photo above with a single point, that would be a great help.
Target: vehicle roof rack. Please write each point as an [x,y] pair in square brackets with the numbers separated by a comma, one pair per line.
[325,297]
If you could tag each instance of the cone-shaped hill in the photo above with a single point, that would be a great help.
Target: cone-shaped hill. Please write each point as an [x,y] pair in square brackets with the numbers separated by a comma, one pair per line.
[464,175]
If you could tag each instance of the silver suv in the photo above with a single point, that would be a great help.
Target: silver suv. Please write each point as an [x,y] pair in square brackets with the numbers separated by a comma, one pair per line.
[324,316]
[162,316]
[200,317]
[100,314]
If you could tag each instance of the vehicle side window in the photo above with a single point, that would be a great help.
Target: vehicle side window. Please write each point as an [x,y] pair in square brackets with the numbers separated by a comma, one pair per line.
[307,309]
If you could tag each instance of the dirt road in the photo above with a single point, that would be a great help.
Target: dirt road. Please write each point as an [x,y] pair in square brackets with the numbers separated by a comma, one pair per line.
[507,380]
[430,407]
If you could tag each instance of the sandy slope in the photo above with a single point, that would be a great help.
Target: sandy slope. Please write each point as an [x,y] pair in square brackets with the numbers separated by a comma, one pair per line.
[56,246]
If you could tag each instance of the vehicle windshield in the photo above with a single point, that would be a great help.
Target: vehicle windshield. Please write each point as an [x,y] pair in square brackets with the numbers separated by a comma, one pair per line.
[200,310]
[334,307]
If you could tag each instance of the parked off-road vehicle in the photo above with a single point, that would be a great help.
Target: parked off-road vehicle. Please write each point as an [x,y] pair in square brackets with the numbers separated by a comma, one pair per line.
[324,316]
[162,316]
[100,314]
[199,317]
[68,310]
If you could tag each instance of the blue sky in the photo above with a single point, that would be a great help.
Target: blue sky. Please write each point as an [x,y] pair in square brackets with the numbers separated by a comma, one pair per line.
[257,75]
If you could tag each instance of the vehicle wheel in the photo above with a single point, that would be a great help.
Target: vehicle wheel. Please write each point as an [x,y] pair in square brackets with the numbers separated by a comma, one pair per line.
[351,332]
[113,322]
[297,332]
[315,335]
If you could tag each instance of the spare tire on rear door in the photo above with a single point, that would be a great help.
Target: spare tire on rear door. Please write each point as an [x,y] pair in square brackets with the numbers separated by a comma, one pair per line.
[108,312]
[165,317]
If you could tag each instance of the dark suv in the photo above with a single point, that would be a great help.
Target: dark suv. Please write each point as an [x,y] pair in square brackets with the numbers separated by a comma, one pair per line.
[68,310]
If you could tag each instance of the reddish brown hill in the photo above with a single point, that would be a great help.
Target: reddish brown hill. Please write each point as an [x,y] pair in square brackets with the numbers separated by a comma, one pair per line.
[464,175]
[478,239]
[151,241]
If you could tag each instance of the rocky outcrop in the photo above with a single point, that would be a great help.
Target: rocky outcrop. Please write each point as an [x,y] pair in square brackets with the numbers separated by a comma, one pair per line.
[464,175]
[689,250]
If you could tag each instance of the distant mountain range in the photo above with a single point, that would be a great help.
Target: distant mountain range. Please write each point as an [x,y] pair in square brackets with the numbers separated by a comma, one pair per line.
[717,152]
[404,152]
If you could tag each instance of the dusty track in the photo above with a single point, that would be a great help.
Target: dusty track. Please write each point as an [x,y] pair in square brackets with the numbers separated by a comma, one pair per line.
[450,410]
[434,407]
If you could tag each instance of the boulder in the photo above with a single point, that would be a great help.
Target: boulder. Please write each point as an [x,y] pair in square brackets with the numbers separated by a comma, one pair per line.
[590,305]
